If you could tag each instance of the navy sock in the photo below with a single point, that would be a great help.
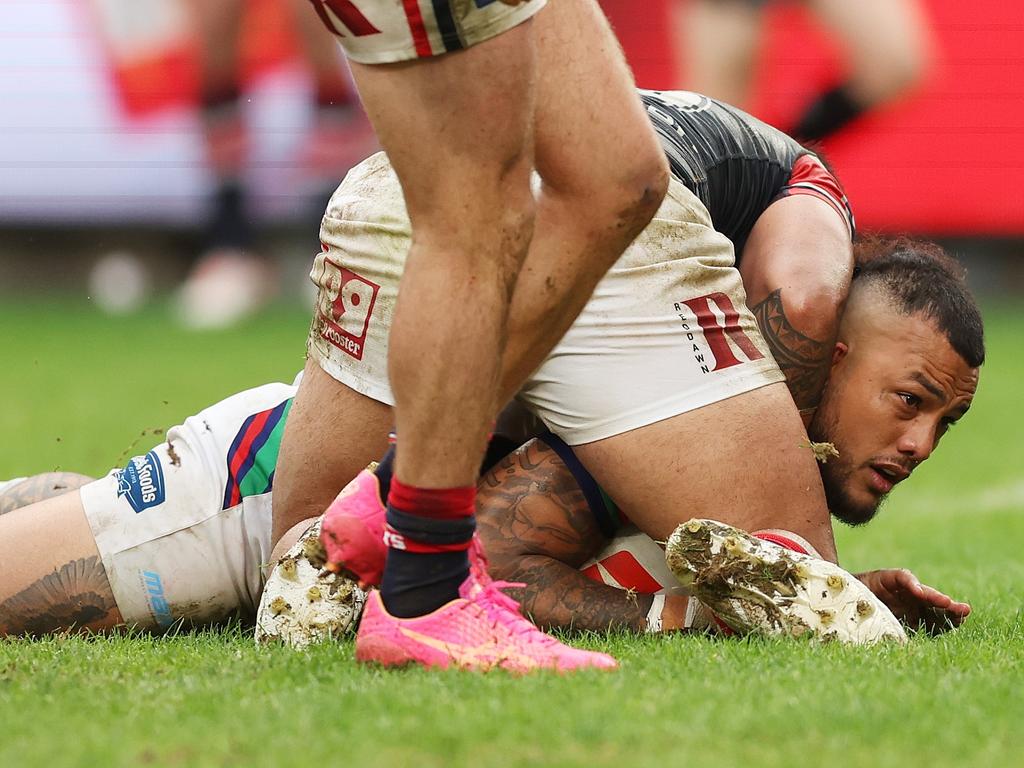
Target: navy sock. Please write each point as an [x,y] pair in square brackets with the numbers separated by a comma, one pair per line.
[430,534]
[416,583]
[384,471]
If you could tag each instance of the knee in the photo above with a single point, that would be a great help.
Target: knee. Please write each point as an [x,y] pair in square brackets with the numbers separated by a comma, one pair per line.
[644,190]
[628,193]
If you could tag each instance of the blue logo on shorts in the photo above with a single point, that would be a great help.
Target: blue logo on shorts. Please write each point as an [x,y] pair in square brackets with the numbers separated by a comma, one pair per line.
[142,482]
[157,601]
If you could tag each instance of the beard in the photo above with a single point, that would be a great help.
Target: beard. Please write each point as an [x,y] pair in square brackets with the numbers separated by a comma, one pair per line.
[836,473]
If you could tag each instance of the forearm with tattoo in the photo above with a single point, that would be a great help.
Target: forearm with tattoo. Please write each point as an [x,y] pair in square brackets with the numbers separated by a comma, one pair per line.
[75,595]
[39,488]
[804,361]
[536,528]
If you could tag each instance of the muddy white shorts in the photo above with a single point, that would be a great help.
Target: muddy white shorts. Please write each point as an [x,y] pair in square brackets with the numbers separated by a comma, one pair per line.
[666,331]
[184,530]
[384,31]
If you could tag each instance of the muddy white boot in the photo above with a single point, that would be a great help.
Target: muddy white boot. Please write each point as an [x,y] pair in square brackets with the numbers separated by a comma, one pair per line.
[303,603]
[756,586]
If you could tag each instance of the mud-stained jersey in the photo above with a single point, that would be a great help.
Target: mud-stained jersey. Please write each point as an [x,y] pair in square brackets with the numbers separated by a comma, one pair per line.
[736,164]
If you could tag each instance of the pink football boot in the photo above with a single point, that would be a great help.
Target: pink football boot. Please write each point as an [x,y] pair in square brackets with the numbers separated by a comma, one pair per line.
[353,531]
[480,630]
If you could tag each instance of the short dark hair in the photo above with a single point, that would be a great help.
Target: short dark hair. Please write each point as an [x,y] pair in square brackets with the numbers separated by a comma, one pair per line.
[921,278]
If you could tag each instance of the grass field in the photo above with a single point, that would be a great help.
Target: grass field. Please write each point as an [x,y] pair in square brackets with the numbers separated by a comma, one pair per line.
[79,389]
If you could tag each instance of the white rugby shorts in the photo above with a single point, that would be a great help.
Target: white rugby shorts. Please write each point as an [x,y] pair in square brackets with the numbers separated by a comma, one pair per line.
[386,31]
[184,530]
[666,331]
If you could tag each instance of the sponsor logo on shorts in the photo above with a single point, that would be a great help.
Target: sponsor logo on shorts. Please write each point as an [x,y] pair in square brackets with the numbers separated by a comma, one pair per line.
[345,314]
[154,586]
[142,482]
[719,324]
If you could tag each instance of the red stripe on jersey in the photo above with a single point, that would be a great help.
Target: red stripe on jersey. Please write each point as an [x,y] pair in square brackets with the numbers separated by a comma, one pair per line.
[417,27]
[243,450]
[628,572]
[593,573]
[811,177]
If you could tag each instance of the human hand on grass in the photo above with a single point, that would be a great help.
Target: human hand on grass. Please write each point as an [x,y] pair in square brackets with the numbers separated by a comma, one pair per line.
[914,603]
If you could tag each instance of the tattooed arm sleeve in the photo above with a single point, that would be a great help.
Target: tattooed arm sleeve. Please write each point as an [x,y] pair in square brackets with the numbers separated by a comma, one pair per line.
[39,488]
[797,265]
[536,528]
[804,360]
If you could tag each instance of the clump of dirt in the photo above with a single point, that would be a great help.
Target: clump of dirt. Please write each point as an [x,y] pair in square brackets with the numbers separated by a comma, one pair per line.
[173,455]
[822,451]
[314,551]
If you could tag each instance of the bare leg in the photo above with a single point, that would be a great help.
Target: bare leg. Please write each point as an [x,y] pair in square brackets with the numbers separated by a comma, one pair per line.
[743,461]
[718,42]
[886,42]
[464,163]
[52,579]
[604,176]
[332,433]
[887,48]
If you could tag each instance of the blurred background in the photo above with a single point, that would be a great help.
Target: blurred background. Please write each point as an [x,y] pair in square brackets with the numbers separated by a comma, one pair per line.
[178,153]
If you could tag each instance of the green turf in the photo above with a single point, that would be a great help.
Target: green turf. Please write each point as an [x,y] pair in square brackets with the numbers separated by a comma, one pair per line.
[79,389]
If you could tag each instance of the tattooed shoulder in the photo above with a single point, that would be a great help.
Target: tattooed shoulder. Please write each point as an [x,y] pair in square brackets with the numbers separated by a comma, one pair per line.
[804,360]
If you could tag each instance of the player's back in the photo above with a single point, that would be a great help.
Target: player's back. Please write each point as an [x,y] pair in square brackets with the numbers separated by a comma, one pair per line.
[735,163]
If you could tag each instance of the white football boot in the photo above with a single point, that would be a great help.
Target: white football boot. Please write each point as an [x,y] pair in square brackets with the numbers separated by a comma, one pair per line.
[303,603]
[759,587]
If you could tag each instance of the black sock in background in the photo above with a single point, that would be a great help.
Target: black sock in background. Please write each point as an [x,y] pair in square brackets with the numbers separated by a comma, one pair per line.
[828,113]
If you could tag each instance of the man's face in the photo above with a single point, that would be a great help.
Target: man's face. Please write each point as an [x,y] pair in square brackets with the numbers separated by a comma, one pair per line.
[895,388]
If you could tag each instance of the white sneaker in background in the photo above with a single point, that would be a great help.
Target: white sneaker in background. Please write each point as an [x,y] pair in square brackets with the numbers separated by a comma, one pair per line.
[225,287]
[119,283]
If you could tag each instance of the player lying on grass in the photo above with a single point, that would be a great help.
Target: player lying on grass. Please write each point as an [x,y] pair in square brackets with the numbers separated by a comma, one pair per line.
[183,532]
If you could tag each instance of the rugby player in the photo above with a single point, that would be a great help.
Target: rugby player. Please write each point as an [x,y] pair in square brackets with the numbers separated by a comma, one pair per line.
[183,532]
[904,370]
[468,98]
[664,349]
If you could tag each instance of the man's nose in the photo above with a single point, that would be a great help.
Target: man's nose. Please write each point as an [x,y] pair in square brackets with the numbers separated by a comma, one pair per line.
[918,441]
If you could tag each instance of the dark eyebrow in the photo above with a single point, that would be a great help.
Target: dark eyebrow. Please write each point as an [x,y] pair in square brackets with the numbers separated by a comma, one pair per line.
[931,386]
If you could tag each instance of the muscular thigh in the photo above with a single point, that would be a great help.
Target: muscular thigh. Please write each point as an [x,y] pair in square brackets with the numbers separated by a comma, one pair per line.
[590,126]
[743,460]
[333,432]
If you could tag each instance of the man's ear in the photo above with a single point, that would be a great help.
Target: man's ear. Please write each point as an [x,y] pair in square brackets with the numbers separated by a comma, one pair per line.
[839,353]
